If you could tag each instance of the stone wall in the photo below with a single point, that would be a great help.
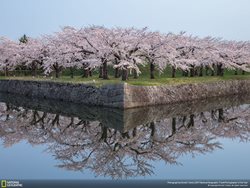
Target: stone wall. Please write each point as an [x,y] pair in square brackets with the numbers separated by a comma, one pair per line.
[136,96]
[108,95]
[124,95]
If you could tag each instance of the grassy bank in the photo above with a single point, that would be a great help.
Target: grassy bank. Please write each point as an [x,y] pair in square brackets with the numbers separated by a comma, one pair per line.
[142,80]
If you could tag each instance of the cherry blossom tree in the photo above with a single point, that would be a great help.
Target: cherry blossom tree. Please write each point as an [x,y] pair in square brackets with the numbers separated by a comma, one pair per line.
[126,50]
[10,55]
[158,50]
[32,53]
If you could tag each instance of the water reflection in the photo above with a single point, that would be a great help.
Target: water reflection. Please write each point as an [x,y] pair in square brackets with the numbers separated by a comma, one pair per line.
[121,144]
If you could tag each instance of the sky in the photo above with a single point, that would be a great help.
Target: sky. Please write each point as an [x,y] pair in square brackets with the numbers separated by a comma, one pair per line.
[228,19]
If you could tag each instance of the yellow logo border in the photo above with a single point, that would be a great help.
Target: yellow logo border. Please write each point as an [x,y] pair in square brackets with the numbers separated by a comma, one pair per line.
[3,183]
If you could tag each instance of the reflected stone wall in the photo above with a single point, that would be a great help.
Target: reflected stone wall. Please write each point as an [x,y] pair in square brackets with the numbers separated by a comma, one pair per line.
[123,119]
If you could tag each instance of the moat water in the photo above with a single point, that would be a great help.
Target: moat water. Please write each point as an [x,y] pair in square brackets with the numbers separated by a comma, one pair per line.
[44,139]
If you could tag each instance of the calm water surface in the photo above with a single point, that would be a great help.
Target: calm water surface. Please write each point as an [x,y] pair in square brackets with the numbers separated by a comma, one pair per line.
[44,139]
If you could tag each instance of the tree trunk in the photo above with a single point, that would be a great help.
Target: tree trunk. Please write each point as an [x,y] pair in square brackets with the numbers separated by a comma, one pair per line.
[235,72]
[105,70]
[6,71]
[135,74]
[192,72]
[85,73]
[184,120]
[152,127]
[117,73]
[243,72]
[152,68]
[100,72]
[57,69]
[195,71]
[34,72]
[173,125]
[185,73]
[201,71]
[173,72]
[191,121]
[24,70]
[134,132]
[90,73]
[206,70]
[221,116]
[104,134]
[220,70]
[57,73]
[124,74]
[213,70]
[33,69]
[71,72]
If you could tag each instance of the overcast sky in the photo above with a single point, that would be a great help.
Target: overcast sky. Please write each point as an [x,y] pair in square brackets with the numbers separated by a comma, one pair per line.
[229,19]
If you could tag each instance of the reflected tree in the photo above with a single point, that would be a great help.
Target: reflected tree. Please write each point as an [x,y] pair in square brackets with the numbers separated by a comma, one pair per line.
[81,144]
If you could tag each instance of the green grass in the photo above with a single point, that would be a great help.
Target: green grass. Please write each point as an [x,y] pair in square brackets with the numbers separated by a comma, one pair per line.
[185,80]
[143,80]
[94,80]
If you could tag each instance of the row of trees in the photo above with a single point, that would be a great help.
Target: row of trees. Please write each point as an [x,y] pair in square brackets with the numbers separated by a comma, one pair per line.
[96,48]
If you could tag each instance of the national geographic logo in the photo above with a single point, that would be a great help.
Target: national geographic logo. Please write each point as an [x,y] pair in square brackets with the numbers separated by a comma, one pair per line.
[10,183]
[3,183]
